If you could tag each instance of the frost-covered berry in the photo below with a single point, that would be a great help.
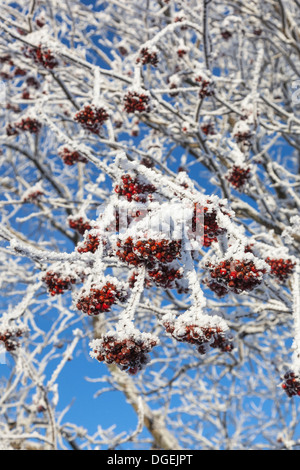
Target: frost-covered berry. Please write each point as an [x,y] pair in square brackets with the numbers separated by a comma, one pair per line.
[206,216]
[203,331]
[129,351]
[9,338]
[291,384]
[92,118]
[90,244]
[148,57]
[148,252]
[206,87]
[79,224]
[280,268]
[136,102]
[100,299]
[238,176]
[70,157]
[42,56]
[57,283]
[26,124]
[134,189]
[235,275]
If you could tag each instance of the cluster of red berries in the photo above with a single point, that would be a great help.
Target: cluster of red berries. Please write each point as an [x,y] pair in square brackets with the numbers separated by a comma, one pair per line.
[162,276]
[80,225]
[70,157]
[238,176]
[42,56]
[226,34]
[10,339]
[33,82]
[235,275]
[200,336]
[148,57]
[134,189]
[136,102]
[27,124]
[148,251]
[291,384]
[181,53]
[205,87]
[280,268]
[56,283]
[91,244]
[130,354]
[91,118]
[34,196]
[208,129]
[208,217]
[100,300]
[243,137]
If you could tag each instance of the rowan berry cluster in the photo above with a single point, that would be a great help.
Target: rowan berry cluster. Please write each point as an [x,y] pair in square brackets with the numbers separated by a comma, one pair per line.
[207,217]
[57,283]
[201,336]
[291,384]
[33,196]
[238,176]
[70,157]
[208,129]
[136,102]
[235,275]
[148,252]
[80,225]
[162,276]
[205,87]
[91,244]
[130,354]
[280,268]
[92,118]
[41,56]
[27,124]
[243,137]
[9,338]
[147,57]
[134,189]
[99,300]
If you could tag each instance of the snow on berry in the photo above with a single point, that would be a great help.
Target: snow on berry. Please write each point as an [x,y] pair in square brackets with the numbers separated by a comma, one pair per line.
[92,118]
[203,331]
[129,349]
[9,336]
[33,194]
[90,243]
